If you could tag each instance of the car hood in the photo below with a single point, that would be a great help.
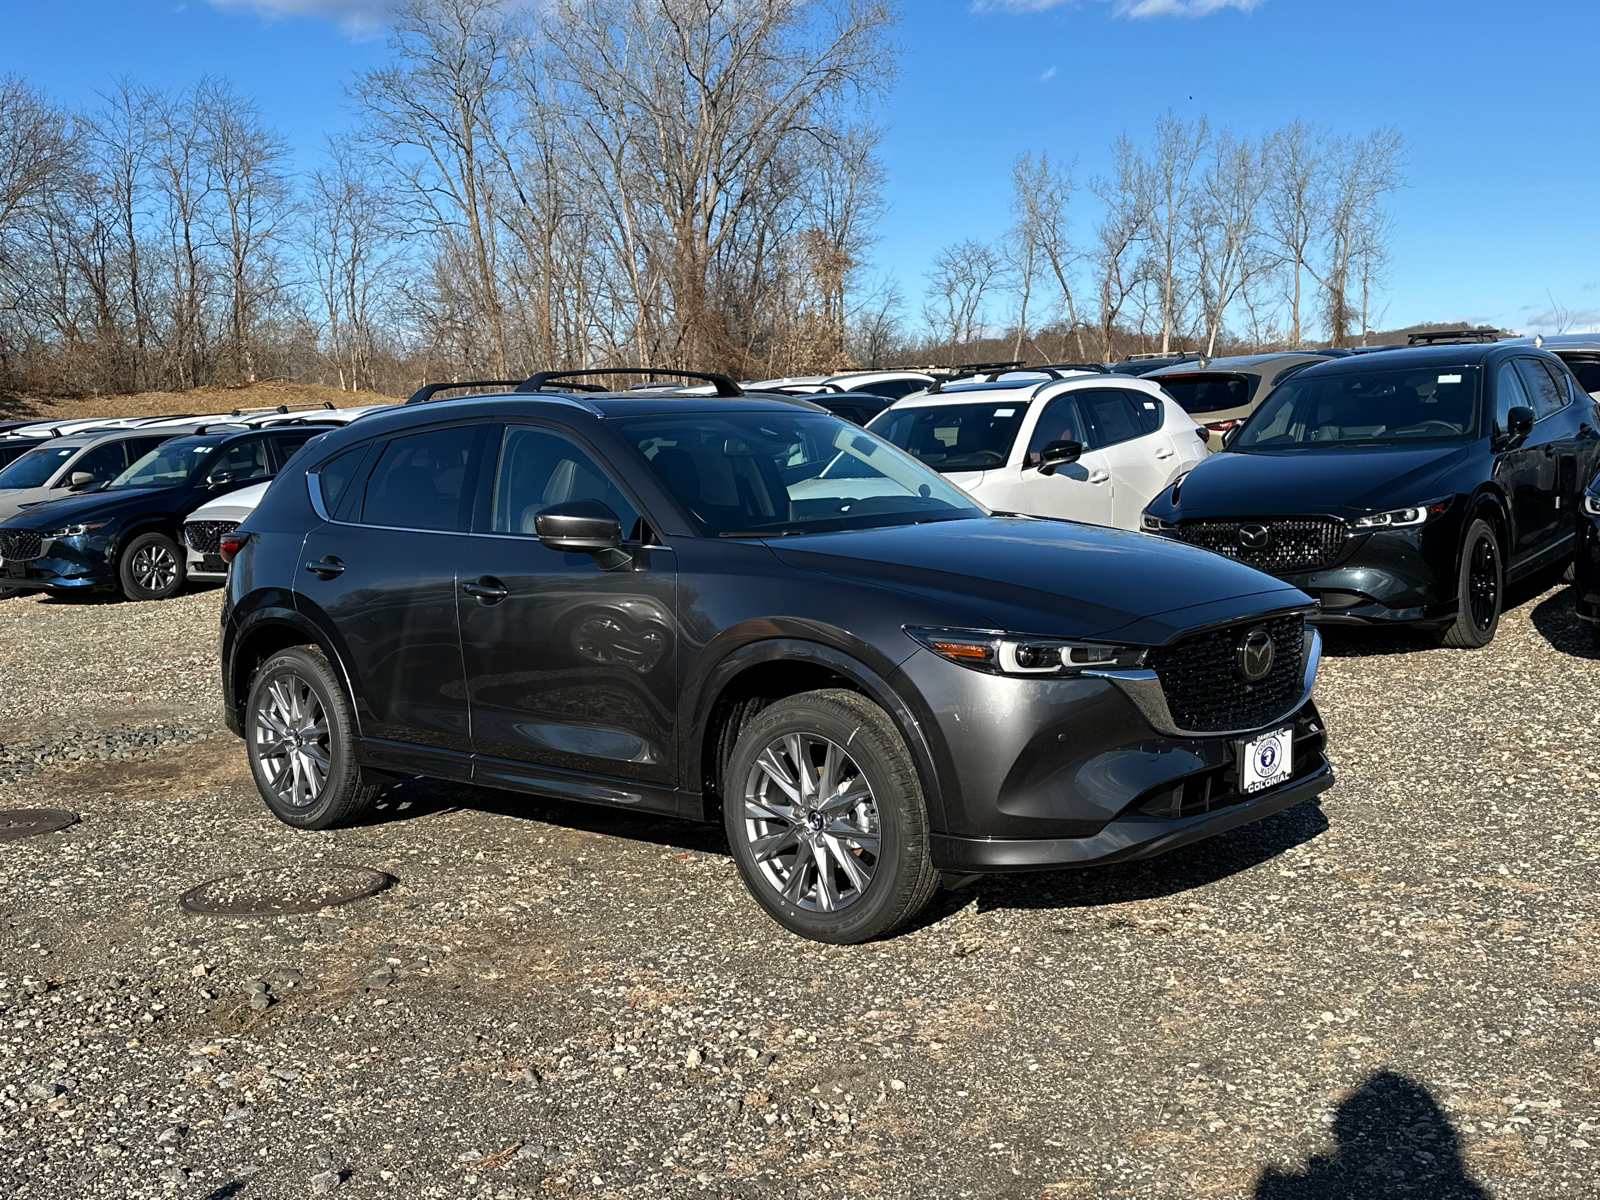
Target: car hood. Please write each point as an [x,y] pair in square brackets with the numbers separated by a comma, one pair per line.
[1344,482]
[99,506]
[235,506]
[1060,578]
[13,499]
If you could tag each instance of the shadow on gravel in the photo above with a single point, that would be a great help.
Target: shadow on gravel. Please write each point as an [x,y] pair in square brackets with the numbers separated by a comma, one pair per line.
[1557,621]
[1393,1141]
[1176,871]
[1348,641]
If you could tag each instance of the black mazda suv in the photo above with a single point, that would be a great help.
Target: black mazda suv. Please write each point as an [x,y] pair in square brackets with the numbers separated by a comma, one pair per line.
[752,610]
[126,534]
[1401,487]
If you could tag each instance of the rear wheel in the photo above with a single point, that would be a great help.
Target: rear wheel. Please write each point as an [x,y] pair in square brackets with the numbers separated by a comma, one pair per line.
[152,568]
[301,738]
[825,815]
[1480,589]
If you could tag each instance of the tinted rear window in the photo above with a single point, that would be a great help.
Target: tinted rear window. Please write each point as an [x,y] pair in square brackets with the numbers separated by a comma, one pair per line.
[1588,374]
[1208,393]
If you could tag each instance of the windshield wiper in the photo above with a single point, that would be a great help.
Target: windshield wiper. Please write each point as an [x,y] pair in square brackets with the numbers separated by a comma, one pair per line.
[760,533]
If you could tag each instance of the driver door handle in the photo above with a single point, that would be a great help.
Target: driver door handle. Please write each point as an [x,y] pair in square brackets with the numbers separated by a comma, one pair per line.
[487,589]
[326,568]
[1099,476]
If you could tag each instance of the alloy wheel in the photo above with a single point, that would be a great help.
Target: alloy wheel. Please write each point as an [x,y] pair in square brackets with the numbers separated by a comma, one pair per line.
[291,737]
[812,823]
[155,568]
[1483,583]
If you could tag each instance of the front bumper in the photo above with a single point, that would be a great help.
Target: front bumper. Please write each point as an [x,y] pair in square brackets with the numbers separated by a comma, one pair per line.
[1133,836]
[1390,578]
[56,574]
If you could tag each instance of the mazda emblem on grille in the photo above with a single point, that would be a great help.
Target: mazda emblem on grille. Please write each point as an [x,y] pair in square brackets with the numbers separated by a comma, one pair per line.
[1254,537]
[1255,655]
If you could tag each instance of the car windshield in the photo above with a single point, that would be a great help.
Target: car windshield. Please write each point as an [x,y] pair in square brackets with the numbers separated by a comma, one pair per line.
[1207,393]
[35,467]
[1357,408]
[784,473]
[954,437]
[168,465]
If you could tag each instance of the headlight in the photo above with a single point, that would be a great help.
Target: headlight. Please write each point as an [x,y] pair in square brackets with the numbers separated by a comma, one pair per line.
[70,531]
[1591,504]
[1400,517]
[1153,524]
[996,653]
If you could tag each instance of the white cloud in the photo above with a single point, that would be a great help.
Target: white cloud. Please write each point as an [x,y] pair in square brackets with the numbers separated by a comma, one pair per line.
[1126,8]
[1050,74]
[1562,320]
[359,18]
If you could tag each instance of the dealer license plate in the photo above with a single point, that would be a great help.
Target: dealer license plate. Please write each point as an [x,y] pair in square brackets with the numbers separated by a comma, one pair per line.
[1267,761]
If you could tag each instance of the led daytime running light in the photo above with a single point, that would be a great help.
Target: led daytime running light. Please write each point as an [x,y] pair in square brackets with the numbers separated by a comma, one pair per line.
[997,653]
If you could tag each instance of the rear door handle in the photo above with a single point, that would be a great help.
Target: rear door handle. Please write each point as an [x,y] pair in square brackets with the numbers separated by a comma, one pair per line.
[487,589]
[1099,476]
[1163,453]
[326,568]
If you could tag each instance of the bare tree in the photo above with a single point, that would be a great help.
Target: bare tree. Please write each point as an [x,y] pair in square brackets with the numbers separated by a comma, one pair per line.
[1225,236]
[183,183]
[1294,206]
[1362,173]
[1122,229]
[1041,197]
[958,285]
[1170,181]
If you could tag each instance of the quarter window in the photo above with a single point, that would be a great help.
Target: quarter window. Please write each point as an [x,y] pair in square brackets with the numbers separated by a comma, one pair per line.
[335,475]
[417,480]
[539,468]
[1148,409]
[1547,397]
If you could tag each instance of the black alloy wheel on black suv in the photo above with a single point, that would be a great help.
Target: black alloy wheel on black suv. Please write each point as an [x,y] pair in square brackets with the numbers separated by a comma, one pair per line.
[749,610]
[1403,487]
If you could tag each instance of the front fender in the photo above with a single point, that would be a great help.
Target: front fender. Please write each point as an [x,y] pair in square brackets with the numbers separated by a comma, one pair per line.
[794,642]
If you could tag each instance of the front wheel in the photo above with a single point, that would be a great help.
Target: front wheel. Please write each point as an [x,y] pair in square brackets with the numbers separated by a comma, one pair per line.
[1480,590]
[825,815]
[152,568]
[301,738]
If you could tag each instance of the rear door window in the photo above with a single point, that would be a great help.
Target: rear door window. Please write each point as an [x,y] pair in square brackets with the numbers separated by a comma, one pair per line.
[418,480]
[1548,397]
[334,476]
[245,459]
[1110,416]
[285,444]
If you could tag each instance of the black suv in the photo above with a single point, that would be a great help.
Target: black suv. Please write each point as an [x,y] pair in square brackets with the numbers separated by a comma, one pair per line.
[698,604]
[125,535]
[1406,486]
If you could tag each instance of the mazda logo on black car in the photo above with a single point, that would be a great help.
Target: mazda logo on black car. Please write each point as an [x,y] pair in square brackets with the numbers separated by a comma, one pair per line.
[1255,655]
[1254,537]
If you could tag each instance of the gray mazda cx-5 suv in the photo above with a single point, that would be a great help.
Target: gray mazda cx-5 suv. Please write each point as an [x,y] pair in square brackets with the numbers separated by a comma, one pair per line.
[750,610]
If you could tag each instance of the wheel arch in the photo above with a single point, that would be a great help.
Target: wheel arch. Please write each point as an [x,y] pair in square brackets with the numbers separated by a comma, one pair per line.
[266,631]
[757,673]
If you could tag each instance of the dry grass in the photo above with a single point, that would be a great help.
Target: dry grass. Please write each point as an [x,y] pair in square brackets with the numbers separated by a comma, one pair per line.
[201,400]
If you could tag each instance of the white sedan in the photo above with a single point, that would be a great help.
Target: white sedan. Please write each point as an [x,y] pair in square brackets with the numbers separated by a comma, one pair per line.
[1088,447]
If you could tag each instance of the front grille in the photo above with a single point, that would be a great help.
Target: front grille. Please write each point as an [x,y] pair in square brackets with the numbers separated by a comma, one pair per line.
[1290,543]
[1200,677]
[202,535]
[20,545]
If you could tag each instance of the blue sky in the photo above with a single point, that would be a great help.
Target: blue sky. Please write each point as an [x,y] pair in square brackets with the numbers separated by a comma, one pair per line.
[1495,100]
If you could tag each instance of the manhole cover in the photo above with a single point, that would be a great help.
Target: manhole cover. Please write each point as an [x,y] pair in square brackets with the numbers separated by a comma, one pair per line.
[25,822]
[278,890]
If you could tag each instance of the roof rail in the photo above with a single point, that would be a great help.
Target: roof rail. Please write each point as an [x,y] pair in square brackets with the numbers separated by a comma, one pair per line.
[726,387]
[1436,337]
[279,408]
[221,427]
[1146,354]
[428,390]
[1095,368]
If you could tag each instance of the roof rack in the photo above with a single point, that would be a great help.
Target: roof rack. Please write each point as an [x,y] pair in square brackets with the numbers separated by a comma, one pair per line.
[1180,355]
[278,408]
[220,427]
[726,387]
[429,390]
[1094,368]
[1436,337]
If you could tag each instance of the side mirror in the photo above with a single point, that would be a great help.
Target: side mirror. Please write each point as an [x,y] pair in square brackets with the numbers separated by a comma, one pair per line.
[80,480]
[218,478]
[581,526]
[1519,424]
[1058,454]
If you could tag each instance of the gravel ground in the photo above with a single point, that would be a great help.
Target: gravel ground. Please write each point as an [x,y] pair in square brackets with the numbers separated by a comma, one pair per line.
[1387,993]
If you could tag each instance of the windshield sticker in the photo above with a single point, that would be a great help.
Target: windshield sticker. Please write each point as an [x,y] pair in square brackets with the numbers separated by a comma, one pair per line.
[1449,379]
[1005,412]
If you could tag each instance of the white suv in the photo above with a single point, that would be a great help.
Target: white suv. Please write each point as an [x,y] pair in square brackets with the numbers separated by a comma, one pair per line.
[1089,447]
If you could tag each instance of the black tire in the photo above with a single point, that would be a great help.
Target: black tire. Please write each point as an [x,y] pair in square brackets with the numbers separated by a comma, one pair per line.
[301,679]
[1594,633]
[1480,587]
[780,850]
[7,592]
[152,567]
